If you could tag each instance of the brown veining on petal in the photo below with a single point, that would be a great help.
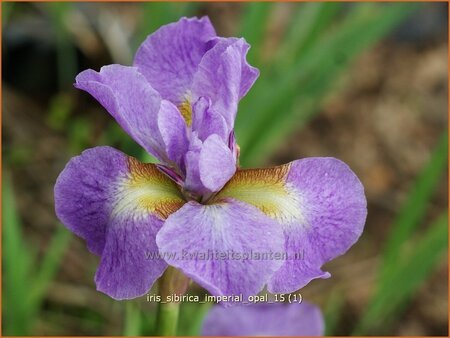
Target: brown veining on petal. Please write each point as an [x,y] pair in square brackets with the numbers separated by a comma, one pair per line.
[147,190]
[147,171]
[266,189]
[264,176]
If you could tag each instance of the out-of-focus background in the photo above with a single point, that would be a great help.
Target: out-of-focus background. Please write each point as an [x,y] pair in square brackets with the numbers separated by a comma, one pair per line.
[363,82]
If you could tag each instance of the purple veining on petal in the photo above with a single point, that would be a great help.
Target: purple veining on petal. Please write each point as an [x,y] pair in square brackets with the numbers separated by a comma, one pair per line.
[169,57]
[125,270]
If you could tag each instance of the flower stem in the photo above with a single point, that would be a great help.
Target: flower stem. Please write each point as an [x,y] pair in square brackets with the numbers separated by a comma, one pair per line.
[167,319]
[171,282]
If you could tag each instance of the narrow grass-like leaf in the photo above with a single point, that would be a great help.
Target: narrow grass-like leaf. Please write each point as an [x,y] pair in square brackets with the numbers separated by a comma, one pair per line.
[21,299]
[410,274]
[66,53]
[409,269]
[309,21]
[191,318]
[415,207]
[133,320]
[17,263]
[156,14]
[253,27]
[333,312]
[49,266]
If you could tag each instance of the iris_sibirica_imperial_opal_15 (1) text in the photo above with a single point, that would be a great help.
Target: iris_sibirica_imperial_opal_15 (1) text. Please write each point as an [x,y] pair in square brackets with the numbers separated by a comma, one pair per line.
[179,101]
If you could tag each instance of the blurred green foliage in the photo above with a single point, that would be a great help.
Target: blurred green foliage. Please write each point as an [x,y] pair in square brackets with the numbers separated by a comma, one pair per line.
[66,57]
[319,43]
[26,280]
[409,255]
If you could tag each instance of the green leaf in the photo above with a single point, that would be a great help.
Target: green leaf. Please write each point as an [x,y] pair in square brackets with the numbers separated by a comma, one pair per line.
[17,263]
[308,23]
[65,49]
[49,265]
[253,27]
[133,320]
[191,318]
[333,313]
[410,274]
[403,271]
[22,299]
[413,211]
[157,14]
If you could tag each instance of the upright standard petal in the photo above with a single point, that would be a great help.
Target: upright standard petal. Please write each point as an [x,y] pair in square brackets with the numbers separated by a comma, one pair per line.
[263,319]
[129,98]
[224,76]
[169,57]
[117,205]
[320,204]
[229,248]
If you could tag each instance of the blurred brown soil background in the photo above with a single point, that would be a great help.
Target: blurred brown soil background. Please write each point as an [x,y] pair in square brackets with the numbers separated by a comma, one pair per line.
[383,119]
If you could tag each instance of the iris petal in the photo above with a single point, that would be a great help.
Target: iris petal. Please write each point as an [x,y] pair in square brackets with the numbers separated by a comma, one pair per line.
[224,76]
[216,245]
[208,122]
[130,99]
[320,204]
[265,319]
[169,57]
[117,204]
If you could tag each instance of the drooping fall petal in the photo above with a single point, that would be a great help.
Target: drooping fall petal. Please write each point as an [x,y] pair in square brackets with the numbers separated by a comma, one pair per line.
[216,245]
[117,204]
[319,203]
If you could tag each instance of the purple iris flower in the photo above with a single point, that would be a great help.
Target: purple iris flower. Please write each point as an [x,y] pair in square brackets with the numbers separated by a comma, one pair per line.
[196,210]
[263,319]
